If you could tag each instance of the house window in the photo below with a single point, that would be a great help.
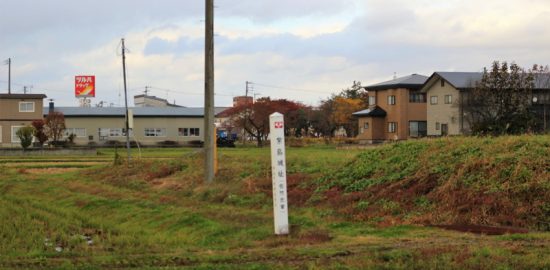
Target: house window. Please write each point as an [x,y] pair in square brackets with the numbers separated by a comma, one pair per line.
[103,134]
[417,97]
[433,100]
[115,132]
[391,100]
[188,132]
[79,132]
[26,106]
[14,138]
[183,132]
[155,132]
[437,126]
[442,83]
[372,100]
[448,99]
[392,127]
[418,129]
[366,125]
[194,132]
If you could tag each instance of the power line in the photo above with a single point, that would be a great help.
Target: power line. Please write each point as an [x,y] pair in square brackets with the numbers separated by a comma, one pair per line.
[18,84]
[289,88]
[180,92]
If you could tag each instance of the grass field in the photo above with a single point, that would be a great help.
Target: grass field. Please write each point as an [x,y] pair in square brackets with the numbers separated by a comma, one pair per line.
[85,213]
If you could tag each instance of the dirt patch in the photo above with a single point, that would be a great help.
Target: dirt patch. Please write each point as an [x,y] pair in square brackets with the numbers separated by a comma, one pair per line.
[427,201]
[315,237]
[50,170]
[299,191]
[479,229]
[167,183]
[54,164]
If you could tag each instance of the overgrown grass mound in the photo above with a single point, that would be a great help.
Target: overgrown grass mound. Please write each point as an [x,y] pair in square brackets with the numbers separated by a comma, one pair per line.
[486,181]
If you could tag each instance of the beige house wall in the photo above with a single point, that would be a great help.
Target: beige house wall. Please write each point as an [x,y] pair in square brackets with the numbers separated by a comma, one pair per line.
[171,125]
[6,132]
[11,117]
[9,109]
[443,113]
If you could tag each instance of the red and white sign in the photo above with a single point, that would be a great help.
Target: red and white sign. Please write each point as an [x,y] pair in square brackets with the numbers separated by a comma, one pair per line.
[84,86]
[279,124]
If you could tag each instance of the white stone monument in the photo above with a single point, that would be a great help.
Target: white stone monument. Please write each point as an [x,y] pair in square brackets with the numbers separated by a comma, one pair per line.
[278,173]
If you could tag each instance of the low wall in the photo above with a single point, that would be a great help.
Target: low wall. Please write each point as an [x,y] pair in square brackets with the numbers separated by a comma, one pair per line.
[48,152]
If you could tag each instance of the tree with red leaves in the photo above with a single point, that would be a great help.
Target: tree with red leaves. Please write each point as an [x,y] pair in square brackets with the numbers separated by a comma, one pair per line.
[55,126]
[39,131]
[254,117]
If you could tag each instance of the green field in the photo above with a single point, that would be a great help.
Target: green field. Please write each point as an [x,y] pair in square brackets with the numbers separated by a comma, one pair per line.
[86,213]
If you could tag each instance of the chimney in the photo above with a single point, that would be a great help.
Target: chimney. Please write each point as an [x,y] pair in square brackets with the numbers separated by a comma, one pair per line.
[51,106]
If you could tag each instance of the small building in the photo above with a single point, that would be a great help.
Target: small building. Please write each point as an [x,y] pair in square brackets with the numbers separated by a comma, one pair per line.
[396,110]
[16,111]
[152,101]
[242,100]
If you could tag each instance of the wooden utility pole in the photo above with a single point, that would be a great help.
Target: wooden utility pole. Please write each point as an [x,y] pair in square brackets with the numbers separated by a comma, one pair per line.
[126,102]
[209,136]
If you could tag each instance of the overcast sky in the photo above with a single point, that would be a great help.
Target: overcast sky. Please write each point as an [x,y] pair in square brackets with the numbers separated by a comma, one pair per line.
[314,47]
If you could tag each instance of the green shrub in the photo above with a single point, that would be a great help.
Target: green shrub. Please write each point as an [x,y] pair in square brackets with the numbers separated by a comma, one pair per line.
[25,135]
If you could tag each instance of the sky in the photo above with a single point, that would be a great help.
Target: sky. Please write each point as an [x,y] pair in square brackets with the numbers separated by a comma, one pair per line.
[302,50]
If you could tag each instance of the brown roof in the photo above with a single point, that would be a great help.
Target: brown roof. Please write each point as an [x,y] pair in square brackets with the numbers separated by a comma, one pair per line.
[22,96]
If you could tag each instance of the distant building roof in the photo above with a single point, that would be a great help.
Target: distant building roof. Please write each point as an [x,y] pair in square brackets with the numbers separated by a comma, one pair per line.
[461,80]
[468,80]
[372,112]
[147,98]
[22,96]
[542,81]
[414,81]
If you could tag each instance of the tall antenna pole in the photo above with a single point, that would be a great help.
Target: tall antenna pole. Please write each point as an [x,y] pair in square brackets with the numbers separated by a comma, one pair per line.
[209,136]
[126,102]
[9,75]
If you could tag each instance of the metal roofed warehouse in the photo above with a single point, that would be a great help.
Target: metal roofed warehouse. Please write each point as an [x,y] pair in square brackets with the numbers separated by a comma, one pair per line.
[152,125]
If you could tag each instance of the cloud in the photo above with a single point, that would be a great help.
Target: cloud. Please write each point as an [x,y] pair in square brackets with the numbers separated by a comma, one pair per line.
[321,45]
[269,11]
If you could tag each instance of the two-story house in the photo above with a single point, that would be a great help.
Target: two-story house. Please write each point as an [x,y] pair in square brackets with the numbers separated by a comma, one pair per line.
[397,110]
[444,91]
[447,114]
[16,111]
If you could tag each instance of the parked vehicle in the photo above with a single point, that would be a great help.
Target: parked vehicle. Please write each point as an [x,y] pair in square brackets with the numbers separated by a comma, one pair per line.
[225,142]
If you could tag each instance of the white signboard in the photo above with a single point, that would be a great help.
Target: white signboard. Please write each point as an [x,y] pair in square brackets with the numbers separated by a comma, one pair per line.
[278,173]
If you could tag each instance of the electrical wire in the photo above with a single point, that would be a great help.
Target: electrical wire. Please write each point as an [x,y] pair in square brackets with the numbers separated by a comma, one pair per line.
[186,93]
[289,88]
